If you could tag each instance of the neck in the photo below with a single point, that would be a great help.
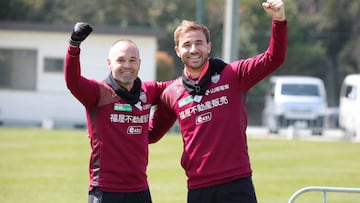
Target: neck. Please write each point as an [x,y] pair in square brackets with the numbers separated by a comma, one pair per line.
[196,73]
[193,73]
[127,86]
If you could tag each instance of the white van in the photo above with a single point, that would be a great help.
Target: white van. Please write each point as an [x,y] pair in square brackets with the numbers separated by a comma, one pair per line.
[349,107]
[295,100]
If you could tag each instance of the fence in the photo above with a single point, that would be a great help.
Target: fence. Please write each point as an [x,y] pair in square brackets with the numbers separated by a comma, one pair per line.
[324,190]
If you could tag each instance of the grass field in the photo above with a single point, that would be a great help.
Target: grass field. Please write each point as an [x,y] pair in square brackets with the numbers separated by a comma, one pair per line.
[52,166]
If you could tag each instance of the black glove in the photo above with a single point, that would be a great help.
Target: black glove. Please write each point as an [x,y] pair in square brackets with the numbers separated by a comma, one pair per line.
[79,33]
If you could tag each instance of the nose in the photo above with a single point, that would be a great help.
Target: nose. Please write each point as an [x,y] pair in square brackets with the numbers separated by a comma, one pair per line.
[127,64]
[193,48]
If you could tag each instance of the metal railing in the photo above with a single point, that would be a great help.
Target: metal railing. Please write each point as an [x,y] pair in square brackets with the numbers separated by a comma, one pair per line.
[324,190]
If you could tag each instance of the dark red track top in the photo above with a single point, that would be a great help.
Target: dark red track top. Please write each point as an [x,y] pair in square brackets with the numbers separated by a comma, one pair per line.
[118,132]
[214,127]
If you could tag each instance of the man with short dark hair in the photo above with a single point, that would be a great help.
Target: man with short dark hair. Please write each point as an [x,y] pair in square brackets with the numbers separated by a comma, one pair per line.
[209,102]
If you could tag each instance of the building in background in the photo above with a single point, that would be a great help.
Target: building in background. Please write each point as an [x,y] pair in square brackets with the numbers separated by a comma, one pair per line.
[32,86]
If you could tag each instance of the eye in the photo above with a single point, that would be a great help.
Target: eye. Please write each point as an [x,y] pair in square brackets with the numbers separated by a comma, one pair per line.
[186,45]
[120,60]
[199,43]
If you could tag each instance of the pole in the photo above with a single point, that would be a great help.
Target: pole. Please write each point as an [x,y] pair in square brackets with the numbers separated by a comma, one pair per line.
[230,40]
[200,11]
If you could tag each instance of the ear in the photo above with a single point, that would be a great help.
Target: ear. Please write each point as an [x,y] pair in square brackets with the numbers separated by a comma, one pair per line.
[177,51]
[209,45]
[108,62]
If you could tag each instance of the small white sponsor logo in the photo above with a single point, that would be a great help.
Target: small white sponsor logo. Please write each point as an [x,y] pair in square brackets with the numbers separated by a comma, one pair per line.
[134,130]
[203,118]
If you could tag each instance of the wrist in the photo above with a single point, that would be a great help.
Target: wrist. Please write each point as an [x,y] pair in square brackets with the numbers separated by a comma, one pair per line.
[74,43]
[279,18]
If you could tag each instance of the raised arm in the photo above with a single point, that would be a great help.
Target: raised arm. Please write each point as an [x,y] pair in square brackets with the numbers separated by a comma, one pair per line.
[254,69]
[275,8]
[80,87]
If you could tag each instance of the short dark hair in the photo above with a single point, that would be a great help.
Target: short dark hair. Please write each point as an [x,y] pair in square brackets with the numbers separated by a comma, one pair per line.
[187,25]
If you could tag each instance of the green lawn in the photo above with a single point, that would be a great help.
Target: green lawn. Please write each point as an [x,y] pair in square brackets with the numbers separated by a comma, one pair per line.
[52,166]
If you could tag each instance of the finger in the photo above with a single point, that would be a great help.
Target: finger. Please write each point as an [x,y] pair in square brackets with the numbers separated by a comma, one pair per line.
[275,4]
[265,5]
[89,29]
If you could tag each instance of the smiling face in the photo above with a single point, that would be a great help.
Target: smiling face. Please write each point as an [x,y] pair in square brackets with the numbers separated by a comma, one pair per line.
[192,45]
[124,63]
[193,49]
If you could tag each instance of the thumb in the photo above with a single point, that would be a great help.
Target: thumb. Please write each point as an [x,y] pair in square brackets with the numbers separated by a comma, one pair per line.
[265,5]
[267,8]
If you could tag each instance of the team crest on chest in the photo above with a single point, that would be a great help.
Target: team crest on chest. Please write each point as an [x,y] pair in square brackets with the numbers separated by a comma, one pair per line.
[142,97]
[215,78]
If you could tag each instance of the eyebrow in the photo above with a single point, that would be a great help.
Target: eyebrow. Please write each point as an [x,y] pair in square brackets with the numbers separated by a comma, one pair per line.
[124,57]
[196,41]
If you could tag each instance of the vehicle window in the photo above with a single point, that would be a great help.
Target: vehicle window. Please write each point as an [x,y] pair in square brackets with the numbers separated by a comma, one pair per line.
[300,89]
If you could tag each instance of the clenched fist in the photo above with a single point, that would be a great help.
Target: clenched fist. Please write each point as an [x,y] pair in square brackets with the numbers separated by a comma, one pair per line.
[80,32]
[275,8]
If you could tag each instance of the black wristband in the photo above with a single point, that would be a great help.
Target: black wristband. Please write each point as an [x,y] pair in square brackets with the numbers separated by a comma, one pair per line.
[74,43]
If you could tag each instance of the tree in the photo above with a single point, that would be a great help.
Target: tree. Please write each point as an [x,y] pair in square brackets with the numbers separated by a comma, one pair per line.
[323,34]
[337,28]
[165,66]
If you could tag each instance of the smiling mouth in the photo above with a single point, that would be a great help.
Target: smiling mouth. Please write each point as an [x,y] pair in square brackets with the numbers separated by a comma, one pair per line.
[194,59]
[126,73]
